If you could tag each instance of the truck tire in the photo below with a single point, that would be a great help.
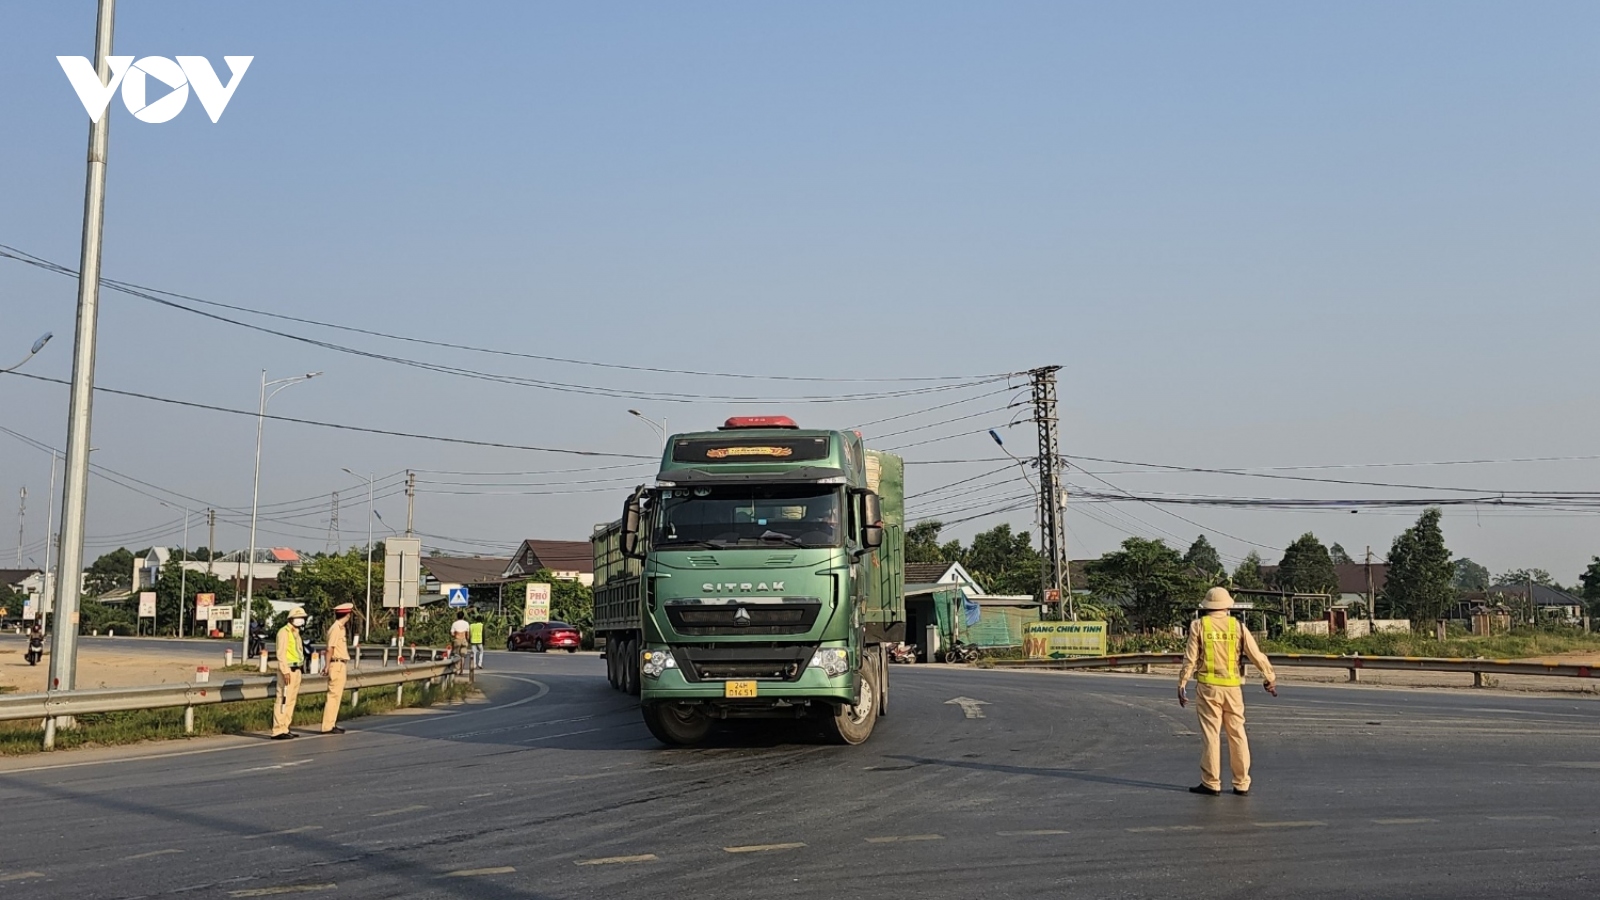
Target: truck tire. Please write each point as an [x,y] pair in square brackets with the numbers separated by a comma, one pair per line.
[611,664]
[853,724]
[676,725]
[630,667]
[883,680]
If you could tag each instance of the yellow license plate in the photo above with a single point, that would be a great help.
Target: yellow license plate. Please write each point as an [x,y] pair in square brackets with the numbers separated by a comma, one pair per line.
[739,689]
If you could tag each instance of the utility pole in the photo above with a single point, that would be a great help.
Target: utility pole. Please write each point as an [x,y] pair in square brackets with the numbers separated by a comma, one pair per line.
[49,536]
[1052,522]
[333,527]
[411,494]
[22,518]
[211,542]
[75,485]
[1372,598]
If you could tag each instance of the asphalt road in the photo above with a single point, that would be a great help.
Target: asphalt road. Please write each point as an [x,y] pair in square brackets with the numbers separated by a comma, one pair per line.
[1067,784]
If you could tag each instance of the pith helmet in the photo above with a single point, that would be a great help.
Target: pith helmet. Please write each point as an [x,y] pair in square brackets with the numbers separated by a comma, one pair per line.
[299,612]
[1217,598]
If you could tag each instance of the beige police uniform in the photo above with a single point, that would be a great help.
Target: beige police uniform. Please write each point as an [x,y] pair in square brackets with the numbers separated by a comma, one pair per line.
[1211,656]
[291,664]
[338,662]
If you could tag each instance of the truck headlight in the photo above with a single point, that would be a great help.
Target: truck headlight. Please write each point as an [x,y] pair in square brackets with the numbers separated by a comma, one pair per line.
[654,662]
[834,661]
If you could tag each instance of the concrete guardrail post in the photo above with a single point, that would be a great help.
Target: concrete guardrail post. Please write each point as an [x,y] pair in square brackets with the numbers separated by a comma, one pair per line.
[385,657]
[1355,674]
[188,720]
[49,732]
[1477,680]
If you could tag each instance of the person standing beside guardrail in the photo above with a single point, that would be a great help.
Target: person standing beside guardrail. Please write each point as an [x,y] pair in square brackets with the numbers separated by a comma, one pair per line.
[338,662]
[460,633]
[291,663]
[477,641]
[1212,658]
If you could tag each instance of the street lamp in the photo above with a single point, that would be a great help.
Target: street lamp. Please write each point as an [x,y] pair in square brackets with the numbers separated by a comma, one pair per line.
[660,429]
[255,496]
[37,346]
[366,625]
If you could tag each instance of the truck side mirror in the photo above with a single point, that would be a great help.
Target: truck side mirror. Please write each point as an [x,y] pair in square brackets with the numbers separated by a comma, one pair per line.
[628,538]
[872,521]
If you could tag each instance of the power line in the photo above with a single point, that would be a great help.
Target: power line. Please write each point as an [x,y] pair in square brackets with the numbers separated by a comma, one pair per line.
[150,293]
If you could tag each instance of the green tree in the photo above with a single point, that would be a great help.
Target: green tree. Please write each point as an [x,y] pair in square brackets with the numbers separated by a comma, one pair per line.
[1421,575]
[175,584]
[1307,568]
[1338,555]
[1003,562]
[1203,558]
[111,572]
[1523,576]
[1469,576]
[327,581]
[922,544]
[1248,574]
[1149,580]
[1590,580]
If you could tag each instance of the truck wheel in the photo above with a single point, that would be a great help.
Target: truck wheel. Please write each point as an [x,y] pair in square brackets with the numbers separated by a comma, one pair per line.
[853,724]
[630,667]
[883,681]
[676,725]
[611,664]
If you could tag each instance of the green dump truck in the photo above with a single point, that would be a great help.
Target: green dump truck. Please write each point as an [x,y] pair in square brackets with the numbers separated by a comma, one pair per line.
[758,578]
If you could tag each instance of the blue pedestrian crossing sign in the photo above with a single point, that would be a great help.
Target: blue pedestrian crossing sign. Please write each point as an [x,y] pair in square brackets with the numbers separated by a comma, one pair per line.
[458,596]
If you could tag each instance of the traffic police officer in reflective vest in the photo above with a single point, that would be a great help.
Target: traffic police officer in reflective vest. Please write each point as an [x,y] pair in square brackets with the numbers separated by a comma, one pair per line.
[338,661]
[291,665]
[1212,658]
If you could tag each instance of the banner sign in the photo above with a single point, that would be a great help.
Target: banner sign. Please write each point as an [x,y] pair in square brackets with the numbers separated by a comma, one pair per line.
[220,613]
[147,604]
[536,607]
[202,602]
[1064,640]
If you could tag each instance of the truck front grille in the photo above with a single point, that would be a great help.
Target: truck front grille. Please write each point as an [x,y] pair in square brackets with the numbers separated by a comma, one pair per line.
[743,662]
[743,617]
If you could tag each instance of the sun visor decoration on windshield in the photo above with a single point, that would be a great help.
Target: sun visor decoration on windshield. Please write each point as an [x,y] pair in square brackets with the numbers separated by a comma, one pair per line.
[749,449]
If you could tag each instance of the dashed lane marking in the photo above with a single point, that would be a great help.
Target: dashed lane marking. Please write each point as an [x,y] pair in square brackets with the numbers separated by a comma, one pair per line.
[152,853]
[18,876]
[298,762]
[1402,821]
[611,860]
[473,873]
[302,828]
[1036,833]
[283,889]
[904,838]
[396,812]
[1309,823]
[1148,829]
[763,848]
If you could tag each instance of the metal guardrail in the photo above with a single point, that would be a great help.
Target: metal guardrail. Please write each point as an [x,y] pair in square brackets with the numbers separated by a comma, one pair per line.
[54,705]
[1478,668]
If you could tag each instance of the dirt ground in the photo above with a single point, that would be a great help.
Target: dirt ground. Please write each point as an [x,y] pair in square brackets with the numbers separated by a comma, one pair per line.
[100,666]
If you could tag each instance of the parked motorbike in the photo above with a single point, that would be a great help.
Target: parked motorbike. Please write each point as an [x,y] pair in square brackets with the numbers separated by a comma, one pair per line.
[35,649]
[961,653]
[902,652]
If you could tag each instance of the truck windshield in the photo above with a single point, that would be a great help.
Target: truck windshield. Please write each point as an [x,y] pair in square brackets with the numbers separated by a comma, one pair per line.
[749,516]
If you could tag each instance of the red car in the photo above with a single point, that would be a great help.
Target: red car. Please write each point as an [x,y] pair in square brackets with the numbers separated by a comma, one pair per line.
[542,636]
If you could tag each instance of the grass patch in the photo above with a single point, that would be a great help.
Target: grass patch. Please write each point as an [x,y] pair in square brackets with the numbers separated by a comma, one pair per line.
[1517,644]
[134,726]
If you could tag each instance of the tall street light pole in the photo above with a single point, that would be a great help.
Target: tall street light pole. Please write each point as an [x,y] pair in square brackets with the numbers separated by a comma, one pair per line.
[366,625]
[37,346]
[75,485]
[255,497]
[660,429]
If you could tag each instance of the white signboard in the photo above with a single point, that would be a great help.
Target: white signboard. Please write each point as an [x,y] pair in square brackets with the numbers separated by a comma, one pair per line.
[30,610]
[536,607]
[147,604]
[402,569]
[220,613]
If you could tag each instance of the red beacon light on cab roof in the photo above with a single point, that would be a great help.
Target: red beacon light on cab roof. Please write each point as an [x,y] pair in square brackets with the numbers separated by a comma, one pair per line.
[758,422]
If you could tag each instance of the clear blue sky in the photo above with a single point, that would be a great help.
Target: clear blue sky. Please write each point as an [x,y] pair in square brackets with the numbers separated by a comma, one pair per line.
[1255,234]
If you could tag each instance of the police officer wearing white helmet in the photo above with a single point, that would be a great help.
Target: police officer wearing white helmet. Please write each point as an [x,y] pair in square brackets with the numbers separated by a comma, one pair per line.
[1212,656]
[291,666]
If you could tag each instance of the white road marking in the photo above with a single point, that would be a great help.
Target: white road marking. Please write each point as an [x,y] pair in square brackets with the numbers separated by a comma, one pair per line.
[1153,828]
[18,876]
[396,812]
[1402,821]
[968,706]
[472,873]
[610,860]
[302,828]
[287,765]
[151,853]
[1304,824]
[763,848]
[283,889]
[1038,833]
[904,838]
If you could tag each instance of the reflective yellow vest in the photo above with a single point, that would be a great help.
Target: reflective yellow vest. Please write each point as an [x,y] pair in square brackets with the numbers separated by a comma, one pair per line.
[294,652]
[477,632]
[1219,652]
